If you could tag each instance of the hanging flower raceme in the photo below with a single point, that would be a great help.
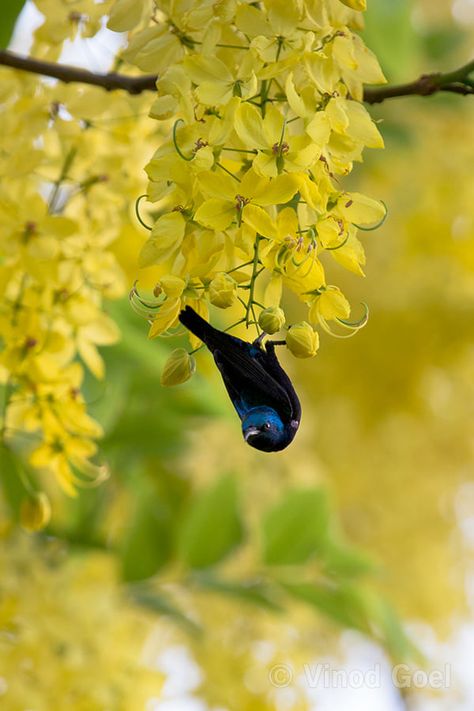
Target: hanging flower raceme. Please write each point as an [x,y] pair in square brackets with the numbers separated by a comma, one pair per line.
[64,200]
[263,104]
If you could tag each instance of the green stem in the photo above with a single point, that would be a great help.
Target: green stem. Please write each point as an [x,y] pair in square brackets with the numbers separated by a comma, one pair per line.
[62,177]
[240,150]
[219,165]
[252,280]
[241,266]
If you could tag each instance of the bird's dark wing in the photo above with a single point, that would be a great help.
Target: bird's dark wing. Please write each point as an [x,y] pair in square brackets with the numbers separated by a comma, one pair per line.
[243,367]
[248,382]
[276,371]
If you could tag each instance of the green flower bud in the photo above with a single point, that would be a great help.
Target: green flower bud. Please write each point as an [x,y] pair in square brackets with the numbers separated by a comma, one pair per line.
[302,340]
[271,319]
[222,290]
[179,367]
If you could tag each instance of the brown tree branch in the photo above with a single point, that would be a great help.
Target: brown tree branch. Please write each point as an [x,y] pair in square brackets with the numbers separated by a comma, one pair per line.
[66,73]
[456,82]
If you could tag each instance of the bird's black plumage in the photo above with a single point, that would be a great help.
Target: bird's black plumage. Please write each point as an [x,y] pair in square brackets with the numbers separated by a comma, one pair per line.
[259,388]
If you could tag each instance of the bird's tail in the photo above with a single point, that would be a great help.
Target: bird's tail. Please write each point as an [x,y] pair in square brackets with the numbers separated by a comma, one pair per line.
[201,328]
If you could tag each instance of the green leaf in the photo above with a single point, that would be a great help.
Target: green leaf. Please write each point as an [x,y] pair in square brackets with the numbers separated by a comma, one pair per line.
[147,545]
[251,591]
[295,528]
[159,603]
[10,11]
[393,636]
[346,561]
[347,605]
[212,527]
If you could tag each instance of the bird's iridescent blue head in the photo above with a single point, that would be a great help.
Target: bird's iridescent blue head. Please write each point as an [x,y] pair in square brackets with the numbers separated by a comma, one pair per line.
[263,429]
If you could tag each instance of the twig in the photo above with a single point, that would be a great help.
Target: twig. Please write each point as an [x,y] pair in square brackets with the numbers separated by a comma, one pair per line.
[66,73]
[456,82]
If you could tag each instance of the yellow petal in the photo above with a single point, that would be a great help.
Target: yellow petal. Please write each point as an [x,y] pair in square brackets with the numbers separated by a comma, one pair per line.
[331,304]
[278,191]
[125,15]
[259,220]
[216,214]
[35,512]
[360,209]
[273,291]
[206,69]
[319,128]
[249,127]
[355,4]
[173,286]
[361,127]
[166,317]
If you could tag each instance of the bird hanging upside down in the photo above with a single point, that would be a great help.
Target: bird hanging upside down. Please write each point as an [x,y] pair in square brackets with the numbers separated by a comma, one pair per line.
[259,388]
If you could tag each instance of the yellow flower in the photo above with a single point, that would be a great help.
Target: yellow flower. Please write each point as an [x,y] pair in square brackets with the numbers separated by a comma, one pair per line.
[302,340]
[277,149]
[217,82]
[57,453]
[166,317]
[243,201]
[329,304]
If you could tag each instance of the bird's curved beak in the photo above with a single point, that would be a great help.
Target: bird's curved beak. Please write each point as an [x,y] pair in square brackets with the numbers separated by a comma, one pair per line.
[250,433]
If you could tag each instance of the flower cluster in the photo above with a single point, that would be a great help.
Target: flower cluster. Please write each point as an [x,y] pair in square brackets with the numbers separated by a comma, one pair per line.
[64,201]
[264,107]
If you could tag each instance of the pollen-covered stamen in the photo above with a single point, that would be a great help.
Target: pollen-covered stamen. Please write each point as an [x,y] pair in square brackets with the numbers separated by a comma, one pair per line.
[241,202]
[280,149]
[30,230]
[200,143]
[30,343]
[78,18]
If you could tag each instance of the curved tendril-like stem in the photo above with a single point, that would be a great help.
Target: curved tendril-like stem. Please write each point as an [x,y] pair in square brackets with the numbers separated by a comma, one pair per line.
[95,474]
[141,307]
[338,246]
[175,142]
[377,225]
[137,211]
[352,326]
[356,325]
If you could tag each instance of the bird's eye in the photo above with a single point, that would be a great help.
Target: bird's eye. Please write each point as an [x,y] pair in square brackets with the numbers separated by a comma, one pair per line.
[267,426]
